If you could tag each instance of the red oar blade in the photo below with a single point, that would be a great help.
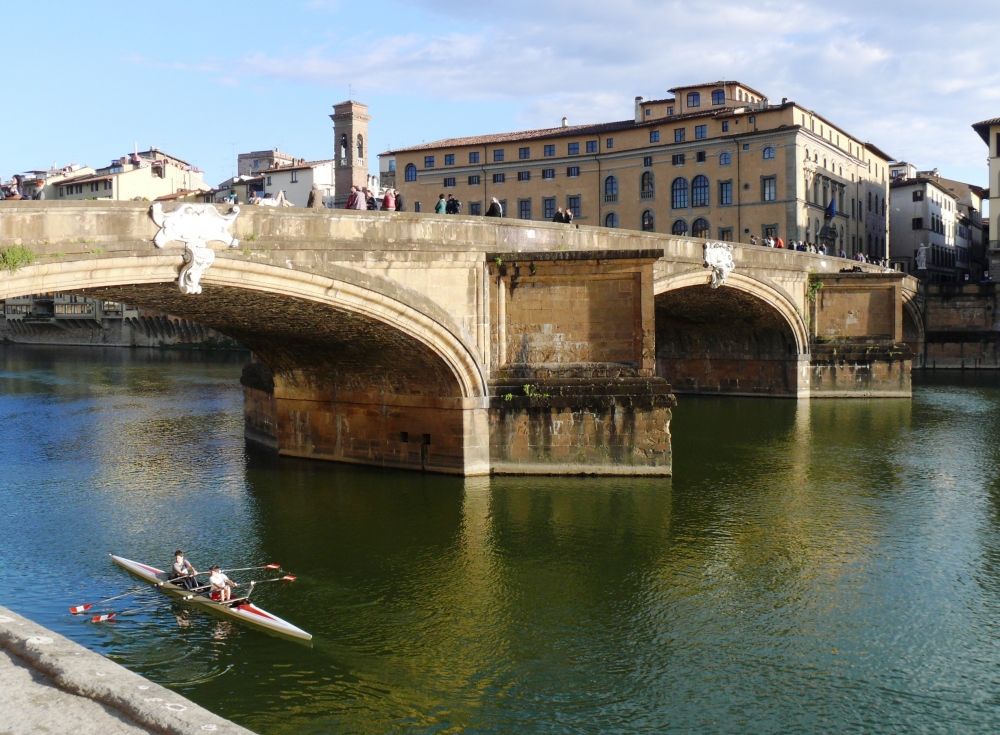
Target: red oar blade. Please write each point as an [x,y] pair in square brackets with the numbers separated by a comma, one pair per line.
[81,608]
[102,618]
[288,578]
[273,566]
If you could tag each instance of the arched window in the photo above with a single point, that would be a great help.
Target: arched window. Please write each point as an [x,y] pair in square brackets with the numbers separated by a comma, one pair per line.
[411,172]
[700,227]
[648,222]
[725,159]
[611,220]
[679,194]
[718,97]
[699,191]
[769,153]
[343,145]
[610,186]
[694,99]
[646,182]
[361,147]
[680,227]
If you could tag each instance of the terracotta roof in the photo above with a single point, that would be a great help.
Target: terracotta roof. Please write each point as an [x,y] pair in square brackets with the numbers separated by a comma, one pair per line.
[878,152]
[897,183]
[717,84]
[301,166]
[559,132]
[983,128]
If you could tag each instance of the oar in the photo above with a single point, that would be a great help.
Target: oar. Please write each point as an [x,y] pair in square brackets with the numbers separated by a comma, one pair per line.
[246,569]
[132,611]
[286,578]
[76,610]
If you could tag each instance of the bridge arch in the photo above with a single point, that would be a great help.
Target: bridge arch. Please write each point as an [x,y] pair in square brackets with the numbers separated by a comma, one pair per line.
[358,368]
[744,338]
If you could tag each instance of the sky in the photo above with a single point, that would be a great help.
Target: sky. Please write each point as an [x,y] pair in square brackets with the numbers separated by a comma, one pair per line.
[84,82]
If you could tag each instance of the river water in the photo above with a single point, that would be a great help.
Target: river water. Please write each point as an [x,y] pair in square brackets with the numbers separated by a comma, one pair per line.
[814,566]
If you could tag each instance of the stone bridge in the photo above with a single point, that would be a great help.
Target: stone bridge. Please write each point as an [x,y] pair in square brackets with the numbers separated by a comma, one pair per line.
[470,345]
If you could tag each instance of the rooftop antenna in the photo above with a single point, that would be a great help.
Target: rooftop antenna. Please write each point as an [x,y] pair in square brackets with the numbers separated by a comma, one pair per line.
[350,92]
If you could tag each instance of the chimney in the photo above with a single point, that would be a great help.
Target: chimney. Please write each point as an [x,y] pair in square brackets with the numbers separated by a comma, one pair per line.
[784,101]
[638,109]
[565,122]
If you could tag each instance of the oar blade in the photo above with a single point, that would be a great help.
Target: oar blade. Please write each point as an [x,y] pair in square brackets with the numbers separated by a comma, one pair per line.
[288,578]
[81,608]
[103,618]
[272,566]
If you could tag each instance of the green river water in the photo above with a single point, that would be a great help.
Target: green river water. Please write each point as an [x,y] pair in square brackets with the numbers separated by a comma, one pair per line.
[811,567]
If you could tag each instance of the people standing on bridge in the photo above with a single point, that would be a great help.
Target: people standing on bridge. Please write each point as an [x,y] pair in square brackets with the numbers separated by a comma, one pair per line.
[495,209]
[14,191]
[442,206]
[359,199]
[400,200]
[370,203]
[315,198]
[568,215]
[559,216]
[39,190]
[388,201]
[454,205]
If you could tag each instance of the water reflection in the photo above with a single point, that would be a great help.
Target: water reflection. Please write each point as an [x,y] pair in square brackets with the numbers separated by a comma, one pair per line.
[811,566]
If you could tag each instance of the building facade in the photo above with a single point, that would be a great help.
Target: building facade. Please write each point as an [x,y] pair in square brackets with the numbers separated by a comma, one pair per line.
[923,225]
[297,182]
[140,175]
[989,131]
[714,161]
[255,163]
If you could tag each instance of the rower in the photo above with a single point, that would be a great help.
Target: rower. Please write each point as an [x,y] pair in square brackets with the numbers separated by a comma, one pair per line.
[183,572]
[220,584]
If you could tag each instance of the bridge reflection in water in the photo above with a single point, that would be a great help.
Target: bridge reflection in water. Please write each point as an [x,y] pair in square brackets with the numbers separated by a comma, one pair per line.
[471,346]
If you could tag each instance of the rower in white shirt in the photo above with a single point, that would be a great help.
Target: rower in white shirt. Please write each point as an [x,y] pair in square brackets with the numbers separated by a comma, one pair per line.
[221,585]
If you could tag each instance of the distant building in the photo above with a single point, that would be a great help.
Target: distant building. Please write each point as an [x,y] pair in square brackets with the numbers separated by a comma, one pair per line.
[989,131]
[257,162]
[715,160]
[244,187]
[51,177]
[297,181]
[961,220]
[140,175]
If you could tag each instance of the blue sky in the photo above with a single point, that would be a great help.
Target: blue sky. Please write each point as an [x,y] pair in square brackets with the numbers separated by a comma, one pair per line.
[205,80]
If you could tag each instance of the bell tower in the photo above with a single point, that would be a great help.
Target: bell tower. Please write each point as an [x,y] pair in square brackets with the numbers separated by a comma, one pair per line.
[350,140]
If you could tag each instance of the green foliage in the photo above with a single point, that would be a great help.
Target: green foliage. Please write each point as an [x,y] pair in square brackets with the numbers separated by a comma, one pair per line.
[499,262]
[508,396]
[534,270]
[814,287]
[246,251]
[252,237]
[97,251]
[15,256]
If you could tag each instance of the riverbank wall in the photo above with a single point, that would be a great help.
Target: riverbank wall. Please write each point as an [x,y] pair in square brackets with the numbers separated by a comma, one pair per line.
[69,688]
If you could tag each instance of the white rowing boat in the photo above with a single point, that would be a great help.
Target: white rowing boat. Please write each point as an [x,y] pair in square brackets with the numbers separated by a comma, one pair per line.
[241,610]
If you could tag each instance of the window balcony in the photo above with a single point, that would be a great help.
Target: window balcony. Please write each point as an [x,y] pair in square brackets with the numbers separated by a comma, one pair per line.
[610,198]
[645,195]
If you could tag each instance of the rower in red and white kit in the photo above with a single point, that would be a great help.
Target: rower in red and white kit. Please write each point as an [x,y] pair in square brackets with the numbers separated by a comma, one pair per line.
[221,584]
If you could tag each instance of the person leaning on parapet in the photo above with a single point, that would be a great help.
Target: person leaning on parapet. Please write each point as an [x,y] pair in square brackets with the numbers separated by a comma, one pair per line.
[359,199]
[453,206]
[370,203]
[495,209]
[14,191]
[388,201]
[39,191]
[442,206]
[400,200]
[559,216]
[568,216]
[315,198]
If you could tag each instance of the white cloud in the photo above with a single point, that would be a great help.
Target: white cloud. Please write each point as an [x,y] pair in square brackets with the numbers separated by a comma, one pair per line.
[910,76]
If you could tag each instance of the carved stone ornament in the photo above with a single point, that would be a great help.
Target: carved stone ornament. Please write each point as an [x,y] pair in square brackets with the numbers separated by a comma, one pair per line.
[719,257]
[195,225]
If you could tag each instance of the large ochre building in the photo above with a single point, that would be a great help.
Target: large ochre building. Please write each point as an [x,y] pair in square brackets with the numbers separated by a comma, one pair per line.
[714,161]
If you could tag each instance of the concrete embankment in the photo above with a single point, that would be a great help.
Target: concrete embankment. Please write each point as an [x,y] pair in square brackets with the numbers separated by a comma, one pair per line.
[51,684]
